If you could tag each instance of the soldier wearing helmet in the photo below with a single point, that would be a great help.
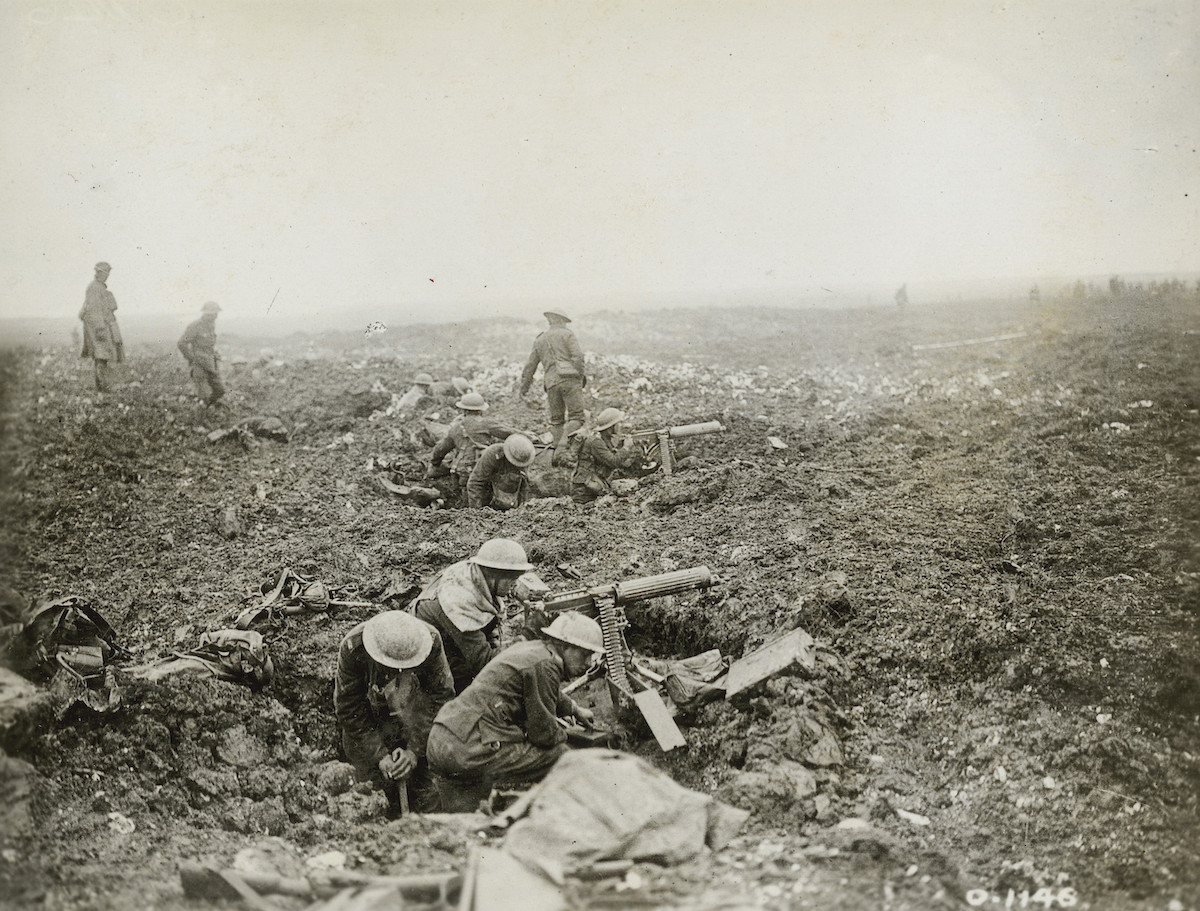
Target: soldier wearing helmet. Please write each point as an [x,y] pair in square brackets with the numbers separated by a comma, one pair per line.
[558,351]
[498,479]
[469,434]
[462,603]
[102,340]
[419,394]
[599,456]
[505,725]
[392,678]
[198,345]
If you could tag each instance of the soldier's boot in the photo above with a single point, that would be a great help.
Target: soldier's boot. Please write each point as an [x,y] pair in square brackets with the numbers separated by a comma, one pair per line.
[556,438]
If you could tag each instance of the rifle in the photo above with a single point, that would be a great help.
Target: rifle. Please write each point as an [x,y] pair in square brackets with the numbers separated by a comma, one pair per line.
[607,603]
[659,445]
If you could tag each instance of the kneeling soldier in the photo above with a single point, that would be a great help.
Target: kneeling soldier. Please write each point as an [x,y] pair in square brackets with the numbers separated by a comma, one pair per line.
[504,726]
[392,679]
[498,478]
[462,602]
[599,456]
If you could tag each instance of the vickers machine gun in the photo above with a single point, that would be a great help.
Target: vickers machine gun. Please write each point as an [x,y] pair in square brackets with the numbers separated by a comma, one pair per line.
[627,682]
[658,446]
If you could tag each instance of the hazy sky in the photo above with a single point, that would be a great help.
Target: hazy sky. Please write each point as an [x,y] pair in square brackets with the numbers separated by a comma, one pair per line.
[436,157]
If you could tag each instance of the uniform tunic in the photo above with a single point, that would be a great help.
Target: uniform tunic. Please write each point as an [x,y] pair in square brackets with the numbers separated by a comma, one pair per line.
[461,607]
[468,435]
[493,471]
[598,459]
[505,724]
[380,708]
[101,334]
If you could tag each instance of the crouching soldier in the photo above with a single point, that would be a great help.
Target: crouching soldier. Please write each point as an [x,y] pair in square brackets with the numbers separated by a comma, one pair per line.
[505,725]
[462,603]
[469,434]
[599,456]
[198,345]
[498,478]
[392,679]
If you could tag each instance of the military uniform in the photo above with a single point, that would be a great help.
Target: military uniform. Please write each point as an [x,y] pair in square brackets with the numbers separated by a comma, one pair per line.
[495,481]
[461,607]
[102,340]
[198,344]
[598,459]
[558,351]
[504,726]
[380,708]
[468,436]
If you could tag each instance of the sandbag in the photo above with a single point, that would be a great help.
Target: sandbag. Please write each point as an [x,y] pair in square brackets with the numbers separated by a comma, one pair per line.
[598,804]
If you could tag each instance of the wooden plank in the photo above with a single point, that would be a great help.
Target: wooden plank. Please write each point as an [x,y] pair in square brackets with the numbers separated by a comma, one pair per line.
[795,647]
[662,725]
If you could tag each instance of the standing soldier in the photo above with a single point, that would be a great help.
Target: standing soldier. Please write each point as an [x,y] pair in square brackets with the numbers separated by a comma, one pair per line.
[392,679]
[198,346]
[558,351]
[101,335]
[462,603]
[469,434]
[599,457]
[498,478]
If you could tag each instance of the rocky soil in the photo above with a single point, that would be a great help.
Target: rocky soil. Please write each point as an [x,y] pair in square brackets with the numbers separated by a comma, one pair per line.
[995,545]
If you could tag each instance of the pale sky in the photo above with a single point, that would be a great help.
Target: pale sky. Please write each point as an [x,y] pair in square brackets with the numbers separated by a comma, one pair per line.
[441,159]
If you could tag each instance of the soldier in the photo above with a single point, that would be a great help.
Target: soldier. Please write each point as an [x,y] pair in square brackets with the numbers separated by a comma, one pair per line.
[392,679]
[462,603]
[505,725]
[599,456]
[418,393]
[101,335]
[498,478]
[469,434]
[198,345]
[558,351]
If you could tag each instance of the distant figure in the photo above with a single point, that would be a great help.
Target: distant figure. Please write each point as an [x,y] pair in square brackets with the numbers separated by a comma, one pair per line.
[1035,295]
[902,296]
[418,393]
[558,351]
[198,344]
[101,335]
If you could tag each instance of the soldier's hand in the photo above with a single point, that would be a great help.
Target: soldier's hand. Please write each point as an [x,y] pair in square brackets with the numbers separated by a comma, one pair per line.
[401,764]
[585,715]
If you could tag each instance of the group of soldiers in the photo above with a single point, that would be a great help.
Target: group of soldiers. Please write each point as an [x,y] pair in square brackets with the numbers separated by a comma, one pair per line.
[429,705]
[480,462]
[427,700]
[102,340]
[487,460]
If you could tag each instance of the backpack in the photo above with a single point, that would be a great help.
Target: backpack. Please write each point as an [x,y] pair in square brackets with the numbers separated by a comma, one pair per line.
[567,453]
[67,633]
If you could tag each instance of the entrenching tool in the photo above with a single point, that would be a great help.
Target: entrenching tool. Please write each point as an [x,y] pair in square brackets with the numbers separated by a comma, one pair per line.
[658,445]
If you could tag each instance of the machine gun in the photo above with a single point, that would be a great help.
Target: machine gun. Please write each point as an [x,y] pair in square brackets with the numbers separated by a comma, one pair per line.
[607,604]
[658,446]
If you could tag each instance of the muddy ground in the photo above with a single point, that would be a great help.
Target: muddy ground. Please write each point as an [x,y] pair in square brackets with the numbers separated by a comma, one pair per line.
[996,545]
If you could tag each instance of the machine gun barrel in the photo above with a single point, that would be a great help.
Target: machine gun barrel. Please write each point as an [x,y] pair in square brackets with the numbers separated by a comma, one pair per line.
[633,590]
[660,443]
[695,430]
[681,580]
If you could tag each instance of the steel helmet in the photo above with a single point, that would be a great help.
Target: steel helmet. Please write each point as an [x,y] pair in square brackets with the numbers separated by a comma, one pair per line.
[397,639]
[608,417]
[472,401]
[423,379]
[502,553]
[211,307]
[461,383]
[519,450]
[574,628]
[556,312]
[103,267]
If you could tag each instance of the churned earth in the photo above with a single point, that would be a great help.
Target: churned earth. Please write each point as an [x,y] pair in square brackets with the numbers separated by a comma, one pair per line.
[996,546]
